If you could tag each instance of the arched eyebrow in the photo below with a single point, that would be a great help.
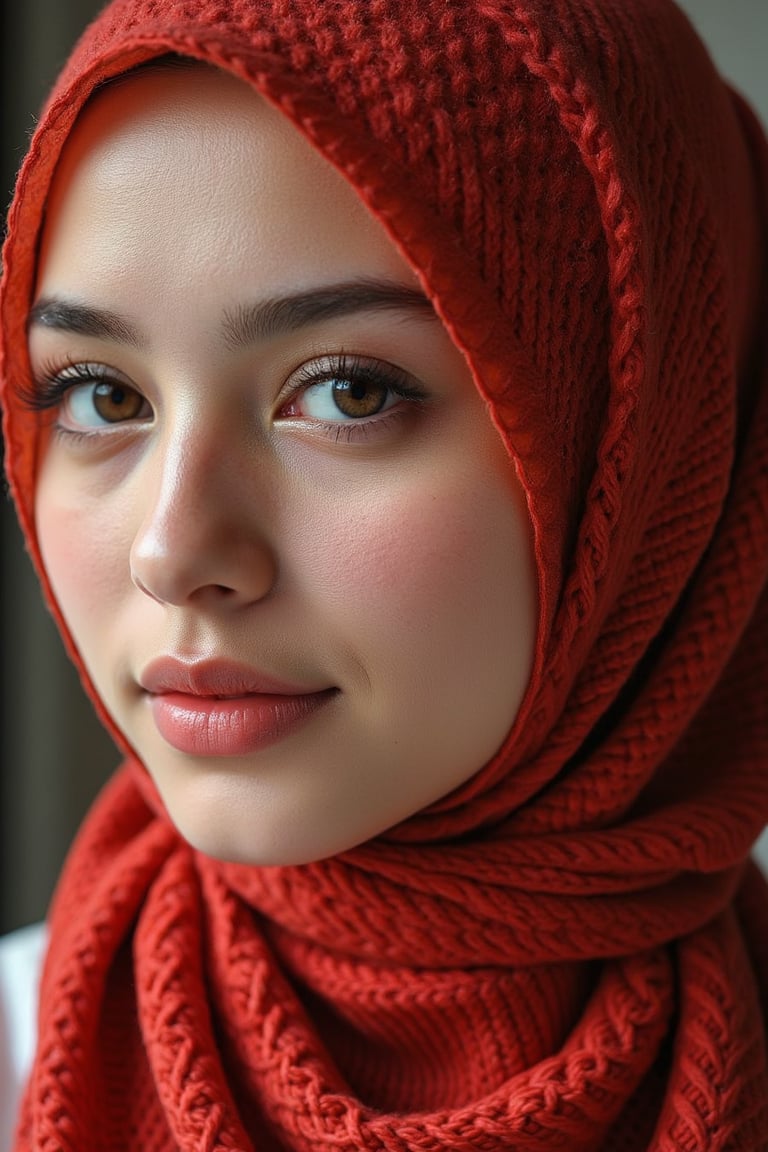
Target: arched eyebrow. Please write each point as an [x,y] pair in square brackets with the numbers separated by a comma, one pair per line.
[82,319]
[269,318]
[249,324]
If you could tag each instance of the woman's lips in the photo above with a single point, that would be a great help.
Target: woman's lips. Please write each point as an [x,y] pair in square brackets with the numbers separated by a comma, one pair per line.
[235,726]
[219,708]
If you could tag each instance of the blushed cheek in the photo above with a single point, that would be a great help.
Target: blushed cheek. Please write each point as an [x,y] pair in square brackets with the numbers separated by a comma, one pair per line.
[372,557]
[85,550]
[454,565]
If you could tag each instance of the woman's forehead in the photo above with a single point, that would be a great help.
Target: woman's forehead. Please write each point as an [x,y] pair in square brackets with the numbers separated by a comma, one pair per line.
[185,174]
[155,117]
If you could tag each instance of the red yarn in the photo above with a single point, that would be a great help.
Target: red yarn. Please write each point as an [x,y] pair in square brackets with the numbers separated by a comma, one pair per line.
[569,951]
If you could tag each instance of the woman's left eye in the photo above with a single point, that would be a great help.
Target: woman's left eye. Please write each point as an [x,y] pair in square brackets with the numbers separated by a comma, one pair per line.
[346,399]
[349,390]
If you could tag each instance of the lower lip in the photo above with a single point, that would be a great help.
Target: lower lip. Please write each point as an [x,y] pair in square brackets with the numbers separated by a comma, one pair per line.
[209,726]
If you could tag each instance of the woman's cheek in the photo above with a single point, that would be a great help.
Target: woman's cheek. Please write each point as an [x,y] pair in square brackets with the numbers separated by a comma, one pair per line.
[85,545]
[418,555]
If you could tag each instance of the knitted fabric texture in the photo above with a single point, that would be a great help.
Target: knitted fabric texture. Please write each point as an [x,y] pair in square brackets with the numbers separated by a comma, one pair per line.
[570,951]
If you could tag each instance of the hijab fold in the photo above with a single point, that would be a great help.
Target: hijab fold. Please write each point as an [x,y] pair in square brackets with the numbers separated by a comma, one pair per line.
[571,950]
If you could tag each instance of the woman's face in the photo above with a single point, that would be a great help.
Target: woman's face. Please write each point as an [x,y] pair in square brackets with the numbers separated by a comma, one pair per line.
[283,532]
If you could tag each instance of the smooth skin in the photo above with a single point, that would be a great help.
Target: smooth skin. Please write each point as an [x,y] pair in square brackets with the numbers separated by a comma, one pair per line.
[221,499]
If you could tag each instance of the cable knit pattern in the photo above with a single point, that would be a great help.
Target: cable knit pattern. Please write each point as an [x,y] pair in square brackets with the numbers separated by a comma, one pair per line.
[570,950]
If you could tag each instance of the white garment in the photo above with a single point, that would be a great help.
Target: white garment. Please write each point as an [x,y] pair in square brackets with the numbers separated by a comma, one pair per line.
[21,958]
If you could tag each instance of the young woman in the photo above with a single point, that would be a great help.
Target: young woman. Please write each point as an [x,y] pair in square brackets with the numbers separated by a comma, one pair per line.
[386,411]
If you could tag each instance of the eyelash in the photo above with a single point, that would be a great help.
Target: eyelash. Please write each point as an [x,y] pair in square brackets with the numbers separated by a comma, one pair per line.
[51,385]
[358,370]
[55,380]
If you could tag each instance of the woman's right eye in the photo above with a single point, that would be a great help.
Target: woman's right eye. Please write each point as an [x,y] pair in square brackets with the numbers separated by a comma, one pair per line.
[94,405]
[88,397]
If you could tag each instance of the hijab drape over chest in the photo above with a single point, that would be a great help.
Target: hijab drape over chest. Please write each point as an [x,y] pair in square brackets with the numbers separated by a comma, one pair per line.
[570,951]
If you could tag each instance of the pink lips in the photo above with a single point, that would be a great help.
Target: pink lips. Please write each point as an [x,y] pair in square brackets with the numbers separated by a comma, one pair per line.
[220,708]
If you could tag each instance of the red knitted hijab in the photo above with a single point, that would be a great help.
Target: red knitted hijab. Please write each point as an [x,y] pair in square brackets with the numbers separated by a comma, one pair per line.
[570,951]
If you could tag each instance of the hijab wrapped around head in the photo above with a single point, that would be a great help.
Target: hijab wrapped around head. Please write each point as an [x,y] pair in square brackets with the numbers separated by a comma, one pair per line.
[571,950]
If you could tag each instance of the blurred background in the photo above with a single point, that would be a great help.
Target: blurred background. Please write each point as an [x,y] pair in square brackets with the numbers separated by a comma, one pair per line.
[53,754]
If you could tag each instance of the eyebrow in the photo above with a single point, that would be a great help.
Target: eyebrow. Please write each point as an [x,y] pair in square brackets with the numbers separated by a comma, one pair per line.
[69,316]
[268,318]
[248,324]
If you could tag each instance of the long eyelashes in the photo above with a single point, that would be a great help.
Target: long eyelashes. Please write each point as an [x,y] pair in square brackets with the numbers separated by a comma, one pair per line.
[361,390]
[343,396]
[55,379]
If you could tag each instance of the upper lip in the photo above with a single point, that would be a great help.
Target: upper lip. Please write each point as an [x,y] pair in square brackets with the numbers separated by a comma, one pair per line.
[214,678]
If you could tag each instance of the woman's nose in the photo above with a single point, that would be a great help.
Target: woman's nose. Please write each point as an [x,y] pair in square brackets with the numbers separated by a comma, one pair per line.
[201,540]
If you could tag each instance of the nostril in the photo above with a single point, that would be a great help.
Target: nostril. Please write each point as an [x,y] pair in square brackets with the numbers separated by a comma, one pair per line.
[218,591]
[202,562]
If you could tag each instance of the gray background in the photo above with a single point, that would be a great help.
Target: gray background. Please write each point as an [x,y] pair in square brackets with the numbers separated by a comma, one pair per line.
[54,755]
